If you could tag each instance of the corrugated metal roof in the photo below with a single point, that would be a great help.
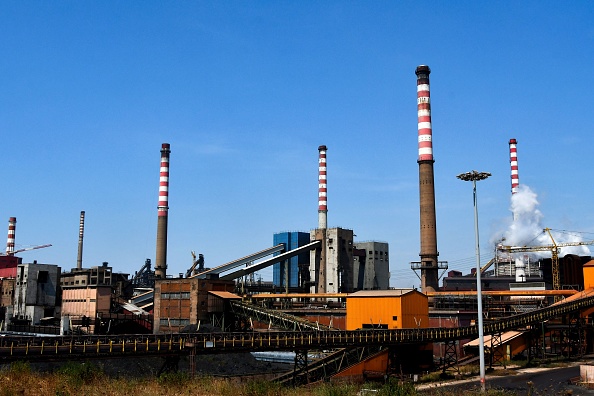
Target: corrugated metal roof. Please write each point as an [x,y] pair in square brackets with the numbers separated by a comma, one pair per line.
[225,295]
[381,293]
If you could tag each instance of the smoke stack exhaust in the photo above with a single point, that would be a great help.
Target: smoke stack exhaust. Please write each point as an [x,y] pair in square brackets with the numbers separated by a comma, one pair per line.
[513,160]
[322,189]
[429,253]
[10,239]
[162,212]
[81,233]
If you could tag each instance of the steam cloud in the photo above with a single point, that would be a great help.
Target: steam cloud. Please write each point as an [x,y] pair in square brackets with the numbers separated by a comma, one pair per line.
[526,229]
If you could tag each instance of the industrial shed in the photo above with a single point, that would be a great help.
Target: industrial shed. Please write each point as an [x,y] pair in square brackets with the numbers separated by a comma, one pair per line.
[387,309]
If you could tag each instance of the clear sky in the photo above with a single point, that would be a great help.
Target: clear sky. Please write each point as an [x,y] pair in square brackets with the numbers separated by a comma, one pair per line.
[246,91]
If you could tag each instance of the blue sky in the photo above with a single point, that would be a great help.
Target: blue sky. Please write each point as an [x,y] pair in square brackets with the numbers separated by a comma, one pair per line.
[245,92]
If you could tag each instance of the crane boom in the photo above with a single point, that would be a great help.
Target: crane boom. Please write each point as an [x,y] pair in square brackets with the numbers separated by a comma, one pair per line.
[25,250]
[554,249]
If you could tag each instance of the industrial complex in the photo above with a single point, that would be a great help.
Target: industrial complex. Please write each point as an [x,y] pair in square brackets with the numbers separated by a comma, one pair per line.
[329,293]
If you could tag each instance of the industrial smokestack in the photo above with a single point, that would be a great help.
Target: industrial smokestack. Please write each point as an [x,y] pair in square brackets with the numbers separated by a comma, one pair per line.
[513,160]
[162,211]
[322,189]
[81,233]
[11,232]
[429,253]
[317,273]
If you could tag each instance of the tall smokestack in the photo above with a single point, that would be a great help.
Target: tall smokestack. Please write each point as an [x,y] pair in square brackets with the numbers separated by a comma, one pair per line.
[11,232]
[81,233]
[317,273]
[513,160]
[429,253]
[322,189]
[162,211]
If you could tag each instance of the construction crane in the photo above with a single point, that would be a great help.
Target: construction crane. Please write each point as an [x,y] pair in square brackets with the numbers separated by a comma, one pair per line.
[553,248]
[199,263]
[24,250]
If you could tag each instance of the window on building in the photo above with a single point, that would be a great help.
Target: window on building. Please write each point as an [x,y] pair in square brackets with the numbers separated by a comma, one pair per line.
[42,277]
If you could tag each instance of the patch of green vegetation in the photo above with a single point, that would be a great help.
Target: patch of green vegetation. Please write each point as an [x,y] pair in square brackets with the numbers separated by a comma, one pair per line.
[80,373]
[262,388]
[173,379]
[341,389]
[20,368]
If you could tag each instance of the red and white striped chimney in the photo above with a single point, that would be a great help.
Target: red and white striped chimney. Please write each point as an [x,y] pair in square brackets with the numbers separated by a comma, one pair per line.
[11,232]
[429,253]
[424,114]
[322,189]
[513,160]
[162,211]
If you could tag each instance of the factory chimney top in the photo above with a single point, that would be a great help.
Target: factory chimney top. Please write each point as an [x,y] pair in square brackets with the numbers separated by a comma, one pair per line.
[422,69]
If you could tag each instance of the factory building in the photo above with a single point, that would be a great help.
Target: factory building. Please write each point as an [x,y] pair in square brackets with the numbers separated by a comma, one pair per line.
[503,276]
[7,286]
[291,272]
[97,276]
[93,293]
[89,302]
[8,265]
[331,265]
[37,292]
[371,267]
[183,302]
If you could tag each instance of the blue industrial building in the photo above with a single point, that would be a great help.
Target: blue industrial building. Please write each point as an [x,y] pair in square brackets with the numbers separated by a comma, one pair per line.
[292,240]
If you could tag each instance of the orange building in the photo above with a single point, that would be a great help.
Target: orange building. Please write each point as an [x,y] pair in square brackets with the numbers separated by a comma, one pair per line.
[387,309]
[588,270]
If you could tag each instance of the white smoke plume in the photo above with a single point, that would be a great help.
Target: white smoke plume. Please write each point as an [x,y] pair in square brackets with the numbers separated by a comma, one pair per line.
[526,228]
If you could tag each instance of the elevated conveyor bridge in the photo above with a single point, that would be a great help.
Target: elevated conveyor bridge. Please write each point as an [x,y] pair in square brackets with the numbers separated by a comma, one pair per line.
[15,347]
